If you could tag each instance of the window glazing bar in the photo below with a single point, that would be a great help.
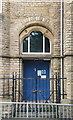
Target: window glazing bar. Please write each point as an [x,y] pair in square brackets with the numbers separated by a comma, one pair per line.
[28,44]
[43,44]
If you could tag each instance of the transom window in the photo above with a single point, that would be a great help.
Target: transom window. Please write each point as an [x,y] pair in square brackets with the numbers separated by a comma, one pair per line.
[36,43]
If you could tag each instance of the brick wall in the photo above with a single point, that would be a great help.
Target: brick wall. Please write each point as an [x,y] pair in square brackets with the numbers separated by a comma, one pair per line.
[68,49]
[18,16]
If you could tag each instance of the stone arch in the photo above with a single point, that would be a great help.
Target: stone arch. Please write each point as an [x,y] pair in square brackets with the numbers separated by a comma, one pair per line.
[29,24]
[37,23]
[36,20]
[26,32]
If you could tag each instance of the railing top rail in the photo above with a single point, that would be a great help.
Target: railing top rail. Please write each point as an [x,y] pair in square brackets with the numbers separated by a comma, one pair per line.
[36,103]
[33,78]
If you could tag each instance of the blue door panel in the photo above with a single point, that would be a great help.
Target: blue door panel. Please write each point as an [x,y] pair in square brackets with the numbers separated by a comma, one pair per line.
[34,87]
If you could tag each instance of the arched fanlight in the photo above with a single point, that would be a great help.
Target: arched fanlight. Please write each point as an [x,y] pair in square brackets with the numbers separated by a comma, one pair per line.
[36,43]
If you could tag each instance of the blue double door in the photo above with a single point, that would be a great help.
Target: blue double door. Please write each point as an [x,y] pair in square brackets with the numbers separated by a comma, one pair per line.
[36,82]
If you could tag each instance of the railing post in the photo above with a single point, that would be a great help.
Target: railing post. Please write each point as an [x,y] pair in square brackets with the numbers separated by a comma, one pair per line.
[19,89]
[59,89]
[15,85]
[56,88]
[27,109]
[0,111]
[13,88]
[63,87]
[53,89]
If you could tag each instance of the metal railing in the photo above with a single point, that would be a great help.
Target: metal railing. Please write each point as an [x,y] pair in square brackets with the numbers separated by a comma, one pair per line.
[10,110]
[37,89]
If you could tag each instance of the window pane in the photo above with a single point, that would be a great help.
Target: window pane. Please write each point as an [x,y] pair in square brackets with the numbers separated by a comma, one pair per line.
[36,41]
[25,45]
[47,45]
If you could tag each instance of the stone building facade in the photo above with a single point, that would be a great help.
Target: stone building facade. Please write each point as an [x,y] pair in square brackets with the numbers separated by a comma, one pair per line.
[54,20]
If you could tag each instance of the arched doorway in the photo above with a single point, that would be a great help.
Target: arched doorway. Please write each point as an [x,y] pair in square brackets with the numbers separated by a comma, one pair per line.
[36,73]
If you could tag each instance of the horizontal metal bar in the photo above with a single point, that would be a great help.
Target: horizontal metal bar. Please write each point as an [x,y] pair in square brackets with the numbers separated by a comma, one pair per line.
[6,78]
[5,94]
[32,78]
[55,104]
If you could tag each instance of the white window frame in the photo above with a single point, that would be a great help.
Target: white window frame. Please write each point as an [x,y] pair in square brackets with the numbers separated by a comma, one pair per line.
[28,45]
[0,6]
[36,52]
